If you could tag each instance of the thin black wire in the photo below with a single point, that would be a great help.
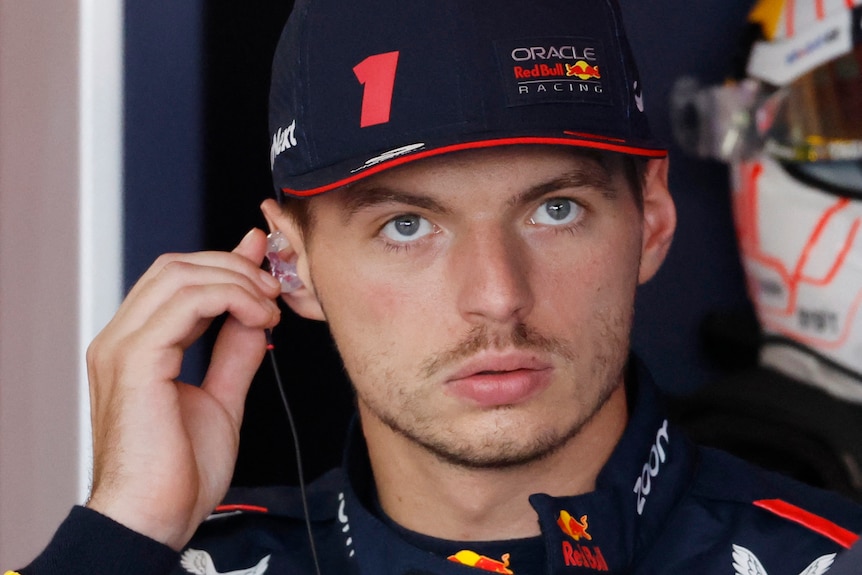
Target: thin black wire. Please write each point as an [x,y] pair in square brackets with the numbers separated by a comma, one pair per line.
[270,346]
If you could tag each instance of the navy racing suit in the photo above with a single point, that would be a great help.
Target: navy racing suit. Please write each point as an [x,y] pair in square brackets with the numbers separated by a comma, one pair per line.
[661,505]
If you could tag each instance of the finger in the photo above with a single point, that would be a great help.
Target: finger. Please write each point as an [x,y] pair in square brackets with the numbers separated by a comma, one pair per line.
[236,357]
[170,272]
[154,351]
[178,320]
[176,263]
[252,249]
[179,275]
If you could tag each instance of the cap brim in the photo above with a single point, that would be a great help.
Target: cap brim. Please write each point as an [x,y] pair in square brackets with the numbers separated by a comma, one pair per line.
[353,170]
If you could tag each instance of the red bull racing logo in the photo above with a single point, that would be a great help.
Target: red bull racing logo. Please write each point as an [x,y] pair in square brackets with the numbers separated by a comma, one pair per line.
[558,69]
[473,559]
[580,554]
[583,70]
[580,70]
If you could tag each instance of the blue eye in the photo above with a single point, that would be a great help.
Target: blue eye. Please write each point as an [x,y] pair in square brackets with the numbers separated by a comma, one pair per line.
[556,212]
[407,228]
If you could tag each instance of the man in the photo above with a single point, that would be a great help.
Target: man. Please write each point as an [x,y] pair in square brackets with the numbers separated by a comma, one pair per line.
[482,198]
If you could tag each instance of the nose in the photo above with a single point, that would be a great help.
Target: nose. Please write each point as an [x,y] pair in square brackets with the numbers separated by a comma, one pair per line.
[493,271]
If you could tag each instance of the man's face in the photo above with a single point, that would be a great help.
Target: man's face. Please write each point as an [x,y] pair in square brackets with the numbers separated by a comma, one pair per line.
[481,301]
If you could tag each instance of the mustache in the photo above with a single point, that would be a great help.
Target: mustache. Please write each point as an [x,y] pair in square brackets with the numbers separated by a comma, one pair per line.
[480,338]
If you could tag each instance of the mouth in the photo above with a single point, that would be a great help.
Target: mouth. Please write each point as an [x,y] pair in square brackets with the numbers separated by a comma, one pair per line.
[497,380]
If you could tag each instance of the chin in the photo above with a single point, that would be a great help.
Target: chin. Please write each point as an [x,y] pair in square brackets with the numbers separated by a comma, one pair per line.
[502,443]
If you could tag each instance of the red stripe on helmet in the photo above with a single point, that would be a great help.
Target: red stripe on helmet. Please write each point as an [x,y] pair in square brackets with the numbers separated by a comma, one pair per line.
[789,14]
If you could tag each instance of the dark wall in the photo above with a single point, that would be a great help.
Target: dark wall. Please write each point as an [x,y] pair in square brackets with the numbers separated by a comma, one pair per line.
[239,44]
[163,100]
[673,38]
[197,169]
[163,143]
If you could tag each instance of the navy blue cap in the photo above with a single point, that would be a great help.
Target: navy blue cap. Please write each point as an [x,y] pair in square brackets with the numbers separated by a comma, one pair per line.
[360,86]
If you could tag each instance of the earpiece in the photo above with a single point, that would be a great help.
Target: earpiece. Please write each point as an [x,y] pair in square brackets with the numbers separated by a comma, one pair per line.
[283,271]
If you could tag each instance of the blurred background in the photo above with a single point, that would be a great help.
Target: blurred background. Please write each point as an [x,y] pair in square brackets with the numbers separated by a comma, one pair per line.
[127,131]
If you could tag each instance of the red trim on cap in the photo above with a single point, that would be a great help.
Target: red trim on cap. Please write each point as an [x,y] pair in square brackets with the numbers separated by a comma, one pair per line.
[580,143]
[252,508]
[607,138]
[807,519]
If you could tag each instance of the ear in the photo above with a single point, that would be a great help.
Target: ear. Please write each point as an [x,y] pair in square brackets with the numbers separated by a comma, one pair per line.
[304,300]
[659,219]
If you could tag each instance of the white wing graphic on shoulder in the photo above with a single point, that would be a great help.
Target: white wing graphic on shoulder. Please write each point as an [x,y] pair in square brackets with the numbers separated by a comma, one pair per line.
[258,569]
[820,565]
[746,563]
[199,562]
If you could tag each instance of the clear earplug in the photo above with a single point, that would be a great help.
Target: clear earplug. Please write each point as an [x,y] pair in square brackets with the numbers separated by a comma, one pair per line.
[283,271]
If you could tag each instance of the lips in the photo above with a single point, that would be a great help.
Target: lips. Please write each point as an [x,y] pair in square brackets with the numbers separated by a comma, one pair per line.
[500,379]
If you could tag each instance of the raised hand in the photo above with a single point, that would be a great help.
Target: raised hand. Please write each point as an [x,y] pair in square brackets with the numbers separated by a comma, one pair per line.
[164,451]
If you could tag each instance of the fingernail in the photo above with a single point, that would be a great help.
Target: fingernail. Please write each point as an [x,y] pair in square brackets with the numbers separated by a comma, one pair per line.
[247,236]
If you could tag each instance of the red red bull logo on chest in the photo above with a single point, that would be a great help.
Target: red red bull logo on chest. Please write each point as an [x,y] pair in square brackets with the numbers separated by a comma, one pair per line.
[580,554]
[574,528]
[584,556]
[473,559]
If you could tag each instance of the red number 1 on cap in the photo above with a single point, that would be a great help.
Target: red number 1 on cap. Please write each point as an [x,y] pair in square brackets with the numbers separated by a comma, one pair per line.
[377,74]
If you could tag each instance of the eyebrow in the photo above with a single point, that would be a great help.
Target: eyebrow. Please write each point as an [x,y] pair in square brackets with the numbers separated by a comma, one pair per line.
[591,175]
[359,197]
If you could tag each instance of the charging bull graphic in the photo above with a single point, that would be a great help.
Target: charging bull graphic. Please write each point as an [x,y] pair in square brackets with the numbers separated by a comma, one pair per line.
[583,70]
[576,529]
[472,559]
[580,554]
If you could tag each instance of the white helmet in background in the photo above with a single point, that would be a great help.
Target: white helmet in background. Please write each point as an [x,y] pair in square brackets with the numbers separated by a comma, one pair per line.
[792,133]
